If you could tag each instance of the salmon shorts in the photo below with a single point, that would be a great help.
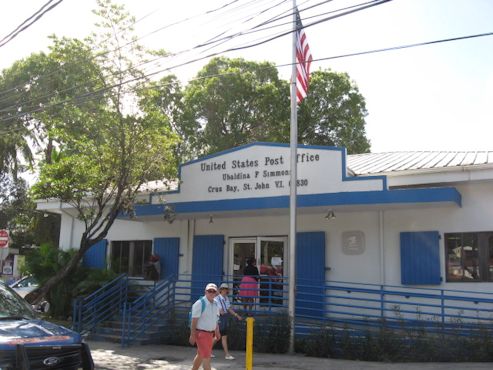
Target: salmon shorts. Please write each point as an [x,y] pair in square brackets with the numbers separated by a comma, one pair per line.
[204,342]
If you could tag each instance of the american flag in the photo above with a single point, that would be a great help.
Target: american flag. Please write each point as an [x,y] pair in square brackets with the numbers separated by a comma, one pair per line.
[303,61]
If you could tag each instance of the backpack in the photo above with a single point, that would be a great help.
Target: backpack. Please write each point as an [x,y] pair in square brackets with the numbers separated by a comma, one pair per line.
[202,300]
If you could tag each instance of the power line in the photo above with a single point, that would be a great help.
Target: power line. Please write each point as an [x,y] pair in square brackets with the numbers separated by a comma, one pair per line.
[131,42]
[393,48]
[3,92]
[134,41]
[32,19]
[202,44]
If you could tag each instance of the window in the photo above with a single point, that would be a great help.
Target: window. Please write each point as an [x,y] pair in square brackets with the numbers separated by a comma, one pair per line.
[469,256]
[130,256]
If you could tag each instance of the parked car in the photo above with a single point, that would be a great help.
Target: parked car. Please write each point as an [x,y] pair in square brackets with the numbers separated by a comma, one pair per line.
[27,342]
[25,286]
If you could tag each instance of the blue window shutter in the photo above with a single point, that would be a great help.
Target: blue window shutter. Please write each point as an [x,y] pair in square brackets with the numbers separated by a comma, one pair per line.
[420,259]
[207,262]
[168,250]
[95,257]
[310,273]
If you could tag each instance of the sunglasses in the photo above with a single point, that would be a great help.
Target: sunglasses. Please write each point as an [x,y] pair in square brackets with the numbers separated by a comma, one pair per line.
[210,291]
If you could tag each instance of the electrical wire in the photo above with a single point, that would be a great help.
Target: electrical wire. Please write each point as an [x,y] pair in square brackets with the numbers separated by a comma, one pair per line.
[23,26]
[393,48]
[134,41]
[99,92]
[118,48]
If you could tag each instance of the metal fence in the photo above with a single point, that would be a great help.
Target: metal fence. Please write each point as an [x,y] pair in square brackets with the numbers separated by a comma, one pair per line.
[101,305]
[333,303]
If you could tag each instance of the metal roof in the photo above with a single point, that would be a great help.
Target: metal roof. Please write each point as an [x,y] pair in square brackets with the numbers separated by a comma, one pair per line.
[391,162]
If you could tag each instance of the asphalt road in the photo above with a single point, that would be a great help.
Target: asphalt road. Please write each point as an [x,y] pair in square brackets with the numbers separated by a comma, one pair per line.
[111,356]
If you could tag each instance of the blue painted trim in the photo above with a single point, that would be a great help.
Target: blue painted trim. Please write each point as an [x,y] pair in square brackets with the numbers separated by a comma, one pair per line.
[300,146]
[400,196]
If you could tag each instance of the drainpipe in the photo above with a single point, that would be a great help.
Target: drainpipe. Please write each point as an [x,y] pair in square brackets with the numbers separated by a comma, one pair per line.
[190,235]
[381,243]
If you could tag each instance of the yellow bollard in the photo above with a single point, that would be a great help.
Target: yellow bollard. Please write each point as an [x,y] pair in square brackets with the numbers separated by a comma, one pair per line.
[249,344]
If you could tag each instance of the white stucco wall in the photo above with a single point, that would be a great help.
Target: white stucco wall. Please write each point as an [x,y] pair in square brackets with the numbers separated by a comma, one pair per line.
[476,214]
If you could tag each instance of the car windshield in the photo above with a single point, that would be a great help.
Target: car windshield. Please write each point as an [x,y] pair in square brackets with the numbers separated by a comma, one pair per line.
[25,283]
[13,306]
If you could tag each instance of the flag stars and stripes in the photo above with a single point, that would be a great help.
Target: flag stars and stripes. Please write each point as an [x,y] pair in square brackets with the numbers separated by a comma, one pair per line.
[303,61]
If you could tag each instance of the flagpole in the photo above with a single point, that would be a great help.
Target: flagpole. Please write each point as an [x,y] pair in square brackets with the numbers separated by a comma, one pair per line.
[292,192]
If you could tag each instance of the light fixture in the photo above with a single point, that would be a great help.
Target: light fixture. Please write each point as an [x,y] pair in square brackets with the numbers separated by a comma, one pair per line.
[330,215]
[169,214]
[211,220]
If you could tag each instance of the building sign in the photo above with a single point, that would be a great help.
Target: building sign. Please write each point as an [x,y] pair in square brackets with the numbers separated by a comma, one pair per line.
[263,170]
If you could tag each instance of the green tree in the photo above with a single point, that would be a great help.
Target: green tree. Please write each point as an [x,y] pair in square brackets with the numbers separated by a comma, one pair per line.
[334,113]
[233,102]
[109,148]
[33,95]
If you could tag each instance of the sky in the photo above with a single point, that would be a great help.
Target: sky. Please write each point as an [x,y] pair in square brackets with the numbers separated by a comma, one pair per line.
[435,97]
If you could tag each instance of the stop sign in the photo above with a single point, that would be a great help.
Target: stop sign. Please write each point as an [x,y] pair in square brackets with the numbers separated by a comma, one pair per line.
[4,238]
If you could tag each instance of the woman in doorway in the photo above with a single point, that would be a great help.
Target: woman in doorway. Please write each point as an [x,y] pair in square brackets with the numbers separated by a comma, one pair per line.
[249,284]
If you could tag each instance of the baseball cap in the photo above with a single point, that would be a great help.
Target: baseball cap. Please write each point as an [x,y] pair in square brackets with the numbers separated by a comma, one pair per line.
[211,286]
[223,286]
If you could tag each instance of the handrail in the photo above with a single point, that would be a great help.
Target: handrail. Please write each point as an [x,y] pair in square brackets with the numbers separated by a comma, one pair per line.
[361,304]
[140,315]
[100,305]
[317,302]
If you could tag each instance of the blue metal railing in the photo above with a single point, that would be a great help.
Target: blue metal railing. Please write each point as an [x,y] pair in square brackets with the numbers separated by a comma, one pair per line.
[440,310]
[100,305]
[271,294]
[140,315]
[339,304]
[356,304]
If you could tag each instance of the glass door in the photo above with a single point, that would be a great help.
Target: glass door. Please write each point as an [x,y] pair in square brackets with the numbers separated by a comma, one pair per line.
[272,262]
[241,251]
[271,254]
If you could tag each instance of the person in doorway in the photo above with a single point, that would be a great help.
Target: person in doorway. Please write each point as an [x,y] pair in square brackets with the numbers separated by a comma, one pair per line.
[153,268]
[204,328]
[225,313]
[249,284]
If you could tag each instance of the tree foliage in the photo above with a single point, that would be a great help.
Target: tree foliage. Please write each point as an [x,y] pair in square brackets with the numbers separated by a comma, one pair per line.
[233,102]
[334,113]
[104,147]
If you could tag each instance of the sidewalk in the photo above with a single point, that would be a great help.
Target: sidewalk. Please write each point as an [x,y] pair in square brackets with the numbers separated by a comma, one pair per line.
[111,356]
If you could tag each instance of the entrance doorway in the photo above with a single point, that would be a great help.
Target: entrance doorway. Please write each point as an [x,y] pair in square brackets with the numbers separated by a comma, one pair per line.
[270,254]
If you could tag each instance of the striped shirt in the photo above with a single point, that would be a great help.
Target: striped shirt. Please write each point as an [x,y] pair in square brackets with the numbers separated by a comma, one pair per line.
[222,303]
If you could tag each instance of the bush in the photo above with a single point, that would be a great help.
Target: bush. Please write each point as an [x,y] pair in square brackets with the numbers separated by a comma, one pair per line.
[46,261]
[398,344]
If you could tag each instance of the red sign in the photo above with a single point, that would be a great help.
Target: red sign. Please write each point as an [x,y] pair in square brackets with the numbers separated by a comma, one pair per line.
[4,238]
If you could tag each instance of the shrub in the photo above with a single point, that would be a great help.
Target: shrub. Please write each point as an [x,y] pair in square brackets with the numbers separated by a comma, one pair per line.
[46,261]
[402,344]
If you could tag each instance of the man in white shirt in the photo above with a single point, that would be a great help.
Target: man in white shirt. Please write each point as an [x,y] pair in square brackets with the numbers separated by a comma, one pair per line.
[204,328]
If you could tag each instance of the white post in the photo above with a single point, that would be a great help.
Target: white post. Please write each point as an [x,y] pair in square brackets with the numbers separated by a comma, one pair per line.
[292,192]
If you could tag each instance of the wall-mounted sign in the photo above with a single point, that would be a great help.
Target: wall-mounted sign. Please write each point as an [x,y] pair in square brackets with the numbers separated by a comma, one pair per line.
[353,242]
[7,269]
[263,170]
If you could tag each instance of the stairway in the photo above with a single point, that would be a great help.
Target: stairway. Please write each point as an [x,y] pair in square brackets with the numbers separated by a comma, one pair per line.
[111,330]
